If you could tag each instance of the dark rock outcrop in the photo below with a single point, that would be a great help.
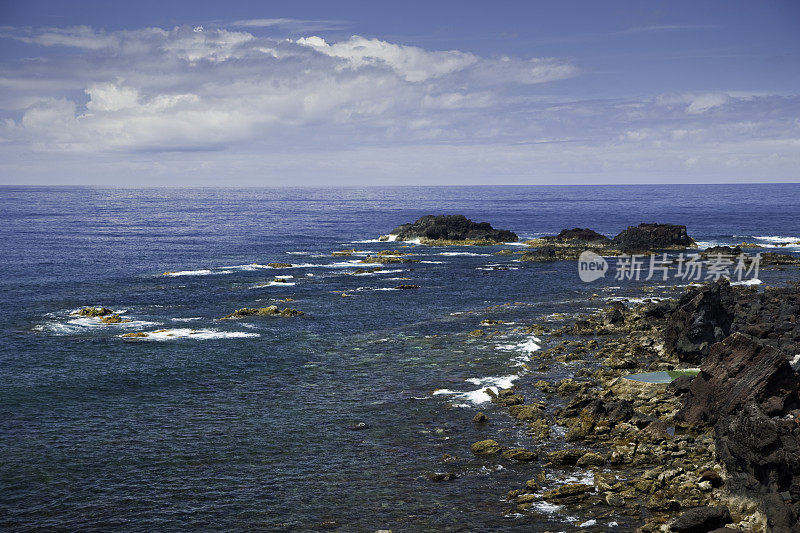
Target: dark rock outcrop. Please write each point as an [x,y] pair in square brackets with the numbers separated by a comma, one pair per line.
[452,227]
[701,520]
[762,457]
[703,316]
[579,235]
[654,237]
[739,371]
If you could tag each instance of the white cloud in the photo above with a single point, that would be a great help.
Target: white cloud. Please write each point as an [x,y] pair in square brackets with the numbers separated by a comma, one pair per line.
[358,107]
[412,63]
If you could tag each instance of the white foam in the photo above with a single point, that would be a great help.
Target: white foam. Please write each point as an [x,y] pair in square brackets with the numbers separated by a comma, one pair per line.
[747,282]
[379,272]
[433,262]
[201,272]
[298,253]
[588,523]
[466,254]
[284,276]
[479,396]
[247,267]
[779,239]
[83,324]
[199,334]
[273,284]
[190,319]
[544,507]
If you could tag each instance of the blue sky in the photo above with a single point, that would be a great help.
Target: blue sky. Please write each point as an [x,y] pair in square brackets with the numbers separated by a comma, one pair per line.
[374,93]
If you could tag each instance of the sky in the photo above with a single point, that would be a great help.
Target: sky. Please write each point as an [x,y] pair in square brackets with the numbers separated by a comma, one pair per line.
[315,93]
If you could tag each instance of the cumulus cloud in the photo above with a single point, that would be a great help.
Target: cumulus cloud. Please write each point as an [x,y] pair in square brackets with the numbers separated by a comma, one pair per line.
[157,89]
[202,101]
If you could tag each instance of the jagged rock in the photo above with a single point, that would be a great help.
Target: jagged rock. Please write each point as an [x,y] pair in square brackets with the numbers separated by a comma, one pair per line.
[653,237]
[486,447]
[702,317]
[701,520]
[272,310]
[136,334]
[95,311]
[480,418]
[279,265]
[736,372]
[407,287]
[762,457]
[453,228]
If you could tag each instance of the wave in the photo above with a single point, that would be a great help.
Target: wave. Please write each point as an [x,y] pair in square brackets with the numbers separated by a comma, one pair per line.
[188,333]
[479,396]
[747,282]
[74,326]
[466,254]
[200,272]
[778,239]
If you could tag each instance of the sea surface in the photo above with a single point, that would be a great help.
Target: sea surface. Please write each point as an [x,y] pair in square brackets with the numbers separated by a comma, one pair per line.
[332,419]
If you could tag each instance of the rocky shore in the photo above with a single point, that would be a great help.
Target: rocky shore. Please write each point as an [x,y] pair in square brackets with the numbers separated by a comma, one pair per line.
[719,449]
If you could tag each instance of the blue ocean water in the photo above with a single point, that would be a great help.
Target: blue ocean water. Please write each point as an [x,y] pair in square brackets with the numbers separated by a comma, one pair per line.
[233,425]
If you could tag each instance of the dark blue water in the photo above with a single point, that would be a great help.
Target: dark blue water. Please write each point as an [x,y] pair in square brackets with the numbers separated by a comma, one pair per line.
[245,425]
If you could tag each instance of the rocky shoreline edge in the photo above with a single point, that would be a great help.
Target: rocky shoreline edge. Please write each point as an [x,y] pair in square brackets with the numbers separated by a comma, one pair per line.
[719,451]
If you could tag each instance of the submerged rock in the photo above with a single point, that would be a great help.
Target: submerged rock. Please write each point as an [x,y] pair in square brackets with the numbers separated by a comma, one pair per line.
[279,265]
[407,287]
[451,228]
[113,319]
[135,334]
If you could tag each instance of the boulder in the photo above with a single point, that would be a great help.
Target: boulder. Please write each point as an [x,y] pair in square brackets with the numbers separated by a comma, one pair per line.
[520,454]
[480,418]
[565,457]
[486,447]
[703,316]
[569,493]
[279,265]
[653,237]
[452,227]
[701,520]
[736,372]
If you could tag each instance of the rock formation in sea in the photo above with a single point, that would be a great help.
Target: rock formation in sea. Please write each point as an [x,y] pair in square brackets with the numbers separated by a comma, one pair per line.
[654,237]
[451,228]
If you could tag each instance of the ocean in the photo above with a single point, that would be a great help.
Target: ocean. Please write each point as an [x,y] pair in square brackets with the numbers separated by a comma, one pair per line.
[329,420]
